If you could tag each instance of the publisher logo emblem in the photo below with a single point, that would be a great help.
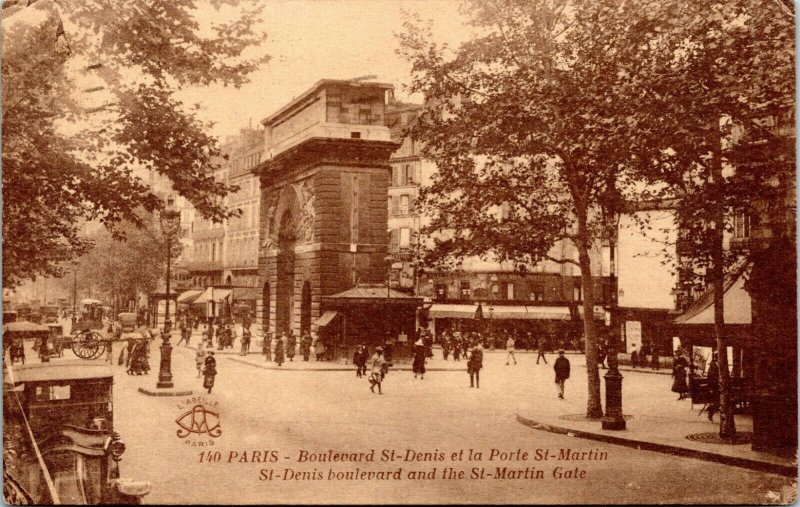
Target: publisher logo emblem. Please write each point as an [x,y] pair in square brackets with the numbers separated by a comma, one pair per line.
[199,420]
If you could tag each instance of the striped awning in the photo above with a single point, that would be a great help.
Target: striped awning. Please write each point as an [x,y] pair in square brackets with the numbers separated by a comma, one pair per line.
[326,318]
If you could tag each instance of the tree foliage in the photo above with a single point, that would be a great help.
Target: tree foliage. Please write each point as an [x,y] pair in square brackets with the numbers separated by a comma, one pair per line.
[561,112]
[64,162]
[720,80]
[529,117]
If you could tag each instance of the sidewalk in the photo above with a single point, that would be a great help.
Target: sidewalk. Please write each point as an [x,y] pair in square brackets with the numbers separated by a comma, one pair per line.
[655,421]
[257,360]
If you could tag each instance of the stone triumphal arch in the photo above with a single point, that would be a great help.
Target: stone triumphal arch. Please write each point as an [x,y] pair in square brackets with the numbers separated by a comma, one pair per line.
[323,201]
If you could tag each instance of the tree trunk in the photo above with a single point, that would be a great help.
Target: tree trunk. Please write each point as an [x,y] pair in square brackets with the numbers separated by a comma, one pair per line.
[727,426]
[594,408]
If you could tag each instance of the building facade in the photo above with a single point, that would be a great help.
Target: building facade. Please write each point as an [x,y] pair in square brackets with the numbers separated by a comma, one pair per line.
[546,300]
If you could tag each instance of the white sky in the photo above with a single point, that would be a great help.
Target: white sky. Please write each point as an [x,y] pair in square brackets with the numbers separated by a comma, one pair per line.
[311,40]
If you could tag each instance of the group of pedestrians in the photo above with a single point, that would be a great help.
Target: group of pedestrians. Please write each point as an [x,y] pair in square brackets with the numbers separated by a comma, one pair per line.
[648,355]
[287,346]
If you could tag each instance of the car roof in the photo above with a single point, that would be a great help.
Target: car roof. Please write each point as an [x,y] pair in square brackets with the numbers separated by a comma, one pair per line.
[66,370]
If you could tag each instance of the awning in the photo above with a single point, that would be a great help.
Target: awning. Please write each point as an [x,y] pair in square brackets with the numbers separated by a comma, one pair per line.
[24,326]
[245,294]
[326,318]
[506,312]
[212,294]
[452,311]
[548,312]
[188,296]
[737,306]
[90,301]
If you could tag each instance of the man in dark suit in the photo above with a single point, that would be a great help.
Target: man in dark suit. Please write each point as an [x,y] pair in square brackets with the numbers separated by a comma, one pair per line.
[561,367]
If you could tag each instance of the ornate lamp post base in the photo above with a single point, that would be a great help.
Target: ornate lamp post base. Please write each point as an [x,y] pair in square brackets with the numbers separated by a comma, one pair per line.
[164,372]
[613,420]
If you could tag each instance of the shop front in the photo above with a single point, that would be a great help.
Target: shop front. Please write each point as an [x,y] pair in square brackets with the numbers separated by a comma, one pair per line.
[370,315]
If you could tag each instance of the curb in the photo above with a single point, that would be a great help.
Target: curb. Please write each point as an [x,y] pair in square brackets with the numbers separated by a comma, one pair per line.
[270,366]
[761,466]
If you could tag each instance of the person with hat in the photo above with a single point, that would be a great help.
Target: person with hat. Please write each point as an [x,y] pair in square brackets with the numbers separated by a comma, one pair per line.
[378,370]
[209,370]
[561,367]
[420,352]
[200,356]
[679,384]
[474,365]
[510,348]
[360,360]
[542,348]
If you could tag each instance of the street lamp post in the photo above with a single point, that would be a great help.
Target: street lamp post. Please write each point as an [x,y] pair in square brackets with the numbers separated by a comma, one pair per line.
[613,419]
[169,219]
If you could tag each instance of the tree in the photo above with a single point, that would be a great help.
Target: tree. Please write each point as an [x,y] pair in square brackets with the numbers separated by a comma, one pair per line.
[527,118]
[718,75]
[64,163]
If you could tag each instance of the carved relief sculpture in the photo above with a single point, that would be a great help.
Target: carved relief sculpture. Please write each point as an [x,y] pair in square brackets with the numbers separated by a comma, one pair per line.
[305,232]
[269,231]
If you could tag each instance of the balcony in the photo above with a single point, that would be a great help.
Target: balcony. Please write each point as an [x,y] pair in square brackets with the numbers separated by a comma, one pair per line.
[204,266]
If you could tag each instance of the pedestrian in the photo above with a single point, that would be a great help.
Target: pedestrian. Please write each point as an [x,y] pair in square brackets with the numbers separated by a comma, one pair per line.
[279,349]
[306,346]
[245,341]
[679,366]
[199,357]
[601,353]
[319,349]
[378,370]
[634,357]
[420,353]
[713,387]
[542,348]
[266,345]
[273,347]
[474,365]
[445,347]
[360,360]
[655,363]
[510,348]
[427,341]
[456,349]
[561,367]
[209,370]
[291,346]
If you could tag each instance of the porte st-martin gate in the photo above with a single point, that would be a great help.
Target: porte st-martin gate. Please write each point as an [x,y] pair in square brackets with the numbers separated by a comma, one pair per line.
[324,187]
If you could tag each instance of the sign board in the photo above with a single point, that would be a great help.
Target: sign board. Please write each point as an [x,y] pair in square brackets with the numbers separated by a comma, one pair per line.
[633,335]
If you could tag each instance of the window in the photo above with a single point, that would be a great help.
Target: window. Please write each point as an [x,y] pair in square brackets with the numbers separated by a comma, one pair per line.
[355,135]
[394,243]
[577,294]
[405,237]
[741,225]
[509,290]
[404,204]
[440,291]
[537,292]
[465,292]
[395,175]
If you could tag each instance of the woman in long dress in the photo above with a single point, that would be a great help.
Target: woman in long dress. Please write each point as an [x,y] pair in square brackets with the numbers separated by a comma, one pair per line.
[679,384]
[279,347]
[420,352]
[209,371]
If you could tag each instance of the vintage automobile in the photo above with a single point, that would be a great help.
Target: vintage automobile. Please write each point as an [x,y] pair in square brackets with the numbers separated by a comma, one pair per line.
[59,440]
[49,314]
[14,336]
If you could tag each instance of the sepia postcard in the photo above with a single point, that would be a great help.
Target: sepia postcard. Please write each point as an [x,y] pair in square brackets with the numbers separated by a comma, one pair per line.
[399,252]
